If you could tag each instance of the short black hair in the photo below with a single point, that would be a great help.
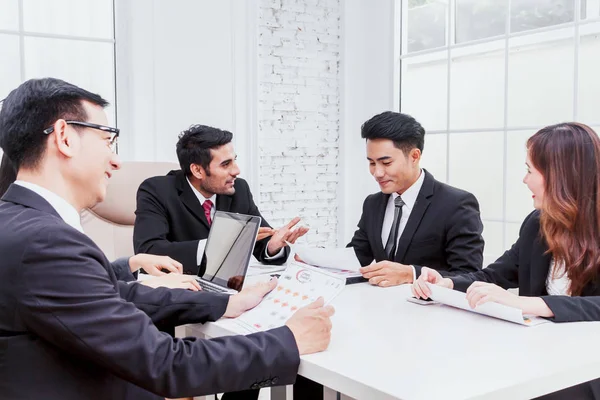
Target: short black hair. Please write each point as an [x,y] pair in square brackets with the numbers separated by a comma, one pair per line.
[402,129]
[194,145]
[34,106]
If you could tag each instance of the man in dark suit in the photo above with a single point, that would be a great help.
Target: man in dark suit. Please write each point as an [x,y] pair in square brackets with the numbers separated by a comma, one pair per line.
[415,220]
[68,329]
[174,212]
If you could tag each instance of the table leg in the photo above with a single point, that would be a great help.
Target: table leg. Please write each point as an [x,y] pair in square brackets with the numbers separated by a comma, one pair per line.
[282,392]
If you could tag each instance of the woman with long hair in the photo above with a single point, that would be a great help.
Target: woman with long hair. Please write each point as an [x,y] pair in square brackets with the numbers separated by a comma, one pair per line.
[555,262]
[7,174]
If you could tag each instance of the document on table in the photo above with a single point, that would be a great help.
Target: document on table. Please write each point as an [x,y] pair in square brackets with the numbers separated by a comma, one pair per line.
[340,259]
[298,286]
[458,299]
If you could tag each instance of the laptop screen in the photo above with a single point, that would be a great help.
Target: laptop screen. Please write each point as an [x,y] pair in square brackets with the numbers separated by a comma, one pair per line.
[228,249]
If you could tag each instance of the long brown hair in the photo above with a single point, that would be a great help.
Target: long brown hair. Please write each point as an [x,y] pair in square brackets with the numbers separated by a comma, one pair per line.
[568,156]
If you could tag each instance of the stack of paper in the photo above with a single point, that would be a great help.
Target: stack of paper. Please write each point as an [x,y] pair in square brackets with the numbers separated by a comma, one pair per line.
[458,299]
[343,259]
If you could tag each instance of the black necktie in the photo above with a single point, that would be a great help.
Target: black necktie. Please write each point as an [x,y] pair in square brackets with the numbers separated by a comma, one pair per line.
[390,246]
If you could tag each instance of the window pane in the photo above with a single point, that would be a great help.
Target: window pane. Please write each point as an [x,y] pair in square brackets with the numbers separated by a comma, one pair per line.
[512,234]
[427,22]
[518,198]
[434,155]
[476,165]
[589,65]
[590,9]
[9,14]
[93,70]
[10,72]
[89,18]
[424,89]
[477,86]
[533,14]
[479,19]
[541,78]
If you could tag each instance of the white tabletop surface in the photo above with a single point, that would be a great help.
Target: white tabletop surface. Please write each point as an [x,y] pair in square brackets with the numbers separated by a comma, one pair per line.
[384,347]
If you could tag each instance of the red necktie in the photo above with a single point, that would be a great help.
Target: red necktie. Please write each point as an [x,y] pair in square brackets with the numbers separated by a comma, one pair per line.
[207,205]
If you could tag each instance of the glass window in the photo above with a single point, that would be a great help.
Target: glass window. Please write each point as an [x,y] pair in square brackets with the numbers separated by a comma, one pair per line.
[590,9]
[93,70]
[10,68]
[533,14]
[476,165]
[425,89]
[434,155]
[9,15]
[427,22]
[87,18]
[589,79]
[541,79]
[480,19]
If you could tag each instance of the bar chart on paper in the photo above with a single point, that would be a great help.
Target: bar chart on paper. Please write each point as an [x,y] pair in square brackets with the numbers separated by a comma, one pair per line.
[298,286]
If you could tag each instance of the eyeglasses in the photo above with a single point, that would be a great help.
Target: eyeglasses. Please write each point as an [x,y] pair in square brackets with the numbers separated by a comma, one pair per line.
[113,131]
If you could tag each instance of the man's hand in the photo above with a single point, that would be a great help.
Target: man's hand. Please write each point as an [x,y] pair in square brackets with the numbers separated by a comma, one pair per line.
[248,298]
[387,273]
[311,326]
[264,232]
[285,234]
[428,275]
[154,264]
[173,281]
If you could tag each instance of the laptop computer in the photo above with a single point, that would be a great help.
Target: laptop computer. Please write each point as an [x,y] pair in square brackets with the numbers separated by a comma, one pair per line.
[227,253]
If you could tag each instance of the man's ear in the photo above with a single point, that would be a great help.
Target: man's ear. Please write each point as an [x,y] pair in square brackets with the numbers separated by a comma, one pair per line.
[198,171]
[63,138]
[415,155]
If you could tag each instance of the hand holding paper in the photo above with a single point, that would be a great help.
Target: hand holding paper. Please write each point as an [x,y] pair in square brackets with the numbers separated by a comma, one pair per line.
[340,259]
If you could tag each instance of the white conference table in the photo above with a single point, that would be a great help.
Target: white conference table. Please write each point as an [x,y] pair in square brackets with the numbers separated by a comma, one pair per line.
[384,347]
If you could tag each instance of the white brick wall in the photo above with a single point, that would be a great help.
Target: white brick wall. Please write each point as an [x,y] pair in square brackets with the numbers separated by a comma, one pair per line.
[299,114]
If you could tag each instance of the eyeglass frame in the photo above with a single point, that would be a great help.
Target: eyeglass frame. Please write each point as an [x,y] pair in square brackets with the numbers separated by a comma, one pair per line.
[103,128]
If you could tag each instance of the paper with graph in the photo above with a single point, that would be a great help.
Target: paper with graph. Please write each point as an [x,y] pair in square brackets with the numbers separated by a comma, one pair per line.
[298,286]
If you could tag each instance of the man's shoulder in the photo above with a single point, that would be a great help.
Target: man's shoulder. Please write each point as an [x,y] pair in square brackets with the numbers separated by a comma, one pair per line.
[241,187]
[450,193]
[162,182]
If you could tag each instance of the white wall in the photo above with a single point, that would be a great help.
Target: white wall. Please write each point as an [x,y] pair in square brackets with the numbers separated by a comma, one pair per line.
[299,115]
[368,88]
[184,62]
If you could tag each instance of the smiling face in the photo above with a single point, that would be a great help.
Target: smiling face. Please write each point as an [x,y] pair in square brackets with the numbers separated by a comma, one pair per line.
[90,160]
[393,170]
[221,174]
[535,183]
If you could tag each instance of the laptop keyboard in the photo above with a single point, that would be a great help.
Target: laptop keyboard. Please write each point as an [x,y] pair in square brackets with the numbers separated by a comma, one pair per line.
[210,288]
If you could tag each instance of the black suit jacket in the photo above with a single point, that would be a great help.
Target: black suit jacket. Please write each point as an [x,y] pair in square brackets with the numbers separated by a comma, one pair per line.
[526,266]
[443,231]
[170,220]
[69,330]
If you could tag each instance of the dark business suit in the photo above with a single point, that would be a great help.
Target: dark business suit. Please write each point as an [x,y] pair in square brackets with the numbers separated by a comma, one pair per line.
[526,266]
[443,231]
[69,330]
[170,220]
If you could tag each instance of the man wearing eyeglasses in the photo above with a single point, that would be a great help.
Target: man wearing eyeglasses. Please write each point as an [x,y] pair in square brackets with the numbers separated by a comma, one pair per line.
[68,329]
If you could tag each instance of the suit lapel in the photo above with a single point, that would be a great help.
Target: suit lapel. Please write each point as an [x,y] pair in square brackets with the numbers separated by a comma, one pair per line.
[416,215]
[189,199]
[223,202]
[377,222]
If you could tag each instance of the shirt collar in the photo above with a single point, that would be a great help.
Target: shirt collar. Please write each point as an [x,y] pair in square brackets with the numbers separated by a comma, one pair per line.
[410,195]
[200,196]
[66,211]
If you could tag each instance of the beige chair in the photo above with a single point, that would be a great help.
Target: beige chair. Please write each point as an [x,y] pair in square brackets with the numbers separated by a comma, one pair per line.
[110,223]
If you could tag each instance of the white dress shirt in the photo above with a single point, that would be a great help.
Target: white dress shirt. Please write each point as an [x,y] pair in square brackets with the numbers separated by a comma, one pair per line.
[557,282]
[66,211]
[410,198]
[202,243]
